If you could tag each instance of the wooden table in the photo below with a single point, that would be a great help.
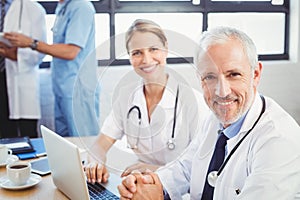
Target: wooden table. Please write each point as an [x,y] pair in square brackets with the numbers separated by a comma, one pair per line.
[46,188]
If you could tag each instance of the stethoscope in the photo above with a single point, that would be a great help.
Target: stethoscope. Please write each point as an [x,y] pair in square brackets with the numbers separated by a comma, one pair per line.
[171,143]
[60,13]
[20,17]
[213,175]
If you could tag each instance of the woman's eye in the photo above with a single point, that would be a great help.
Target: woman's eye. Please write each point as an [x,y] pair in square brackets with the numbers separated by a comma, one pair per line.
[135,53]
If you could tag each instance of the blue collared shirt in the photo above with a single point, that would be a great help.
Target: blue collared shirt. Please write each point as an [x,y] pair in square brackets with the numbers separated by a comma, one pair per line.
[233,129]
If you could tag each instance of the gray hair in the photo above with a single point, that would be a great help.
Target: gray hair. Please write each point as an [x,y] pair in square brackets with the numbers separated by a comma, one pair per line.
[222,34]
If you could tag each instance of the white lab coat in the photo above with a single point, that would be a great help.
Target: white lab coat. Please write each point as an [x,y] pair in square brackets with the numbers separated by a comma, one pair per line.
[22,75]
[154,135]
[265,166]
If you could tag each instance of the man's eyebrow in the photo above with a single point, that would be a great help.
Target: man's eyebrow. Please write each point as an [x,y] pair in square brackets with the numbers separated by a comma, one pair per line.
[233,70]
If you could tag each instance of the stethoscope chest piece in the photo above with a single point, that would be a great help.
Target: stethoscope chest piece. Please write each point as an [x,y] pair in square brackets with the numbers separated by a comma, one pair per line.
[212,178]
[171,144]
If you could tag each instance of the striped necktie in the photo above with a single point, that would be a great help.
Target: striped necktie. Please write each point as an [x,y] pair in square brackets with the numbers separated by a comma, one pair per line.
[2,59]
[214,165]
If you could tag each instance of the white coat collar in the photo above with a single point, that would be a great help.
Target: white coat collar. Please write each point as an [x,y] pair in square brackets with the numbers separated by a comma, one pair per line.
[253,113]
[168,98]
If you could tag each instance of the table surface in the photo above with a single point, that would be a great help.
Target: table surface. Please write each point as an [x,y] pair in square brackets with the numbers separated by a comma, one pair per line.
[46,188]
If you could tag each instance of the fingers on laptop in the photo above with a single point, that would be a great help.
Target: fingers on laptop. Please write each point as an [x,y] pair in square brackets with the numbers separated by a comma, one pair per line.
[96,172]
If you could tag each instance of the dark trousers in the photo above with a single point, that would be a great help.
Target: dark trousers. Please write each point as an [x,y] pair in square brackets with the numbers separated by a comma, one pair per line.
[13,127]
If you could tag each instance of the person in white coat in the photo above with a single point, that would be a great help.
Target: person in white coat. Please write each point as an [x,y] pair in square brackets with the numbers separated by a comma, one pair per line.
[20,106]
[262,154]
[158,113]
[73,67]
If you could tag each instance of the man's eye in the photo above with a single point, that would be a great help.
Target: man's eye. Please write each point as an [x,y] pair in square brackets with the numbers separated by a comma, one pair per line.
[234,74]
[209,78]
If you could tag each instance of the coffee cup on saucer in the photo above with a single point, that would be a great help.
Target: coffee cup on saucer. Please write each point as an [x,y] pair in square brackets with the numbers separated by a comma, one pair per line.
[18,172]
[4,153]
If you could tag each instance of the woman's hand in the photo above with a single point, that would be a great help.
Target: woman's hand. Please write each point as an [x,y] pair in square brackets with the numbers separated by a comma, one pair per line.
[141,167]
[96,171]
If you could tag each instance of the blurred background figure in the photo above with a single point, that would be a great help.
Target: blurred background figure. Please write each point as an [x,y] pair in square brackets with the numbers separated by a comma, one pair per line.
[74,65]
[19,81]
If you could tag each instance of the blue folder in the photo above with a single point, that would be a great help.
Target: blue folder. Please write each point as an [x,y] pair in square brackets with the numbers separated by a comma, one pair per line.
[39,147]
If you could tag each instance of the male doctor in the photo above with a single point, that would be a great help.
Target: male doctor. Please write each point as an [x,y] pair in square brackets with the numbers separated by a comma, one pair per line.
[19,83]
[261,142]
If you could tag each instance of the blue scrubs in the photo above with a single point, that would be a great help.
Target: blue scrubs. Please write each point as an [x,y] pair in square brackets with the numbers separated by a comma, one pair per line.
[75,81]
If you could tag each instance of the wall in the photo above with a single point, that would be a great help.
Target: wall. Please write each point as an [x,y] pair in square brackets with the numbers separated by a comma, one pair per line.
[281,80]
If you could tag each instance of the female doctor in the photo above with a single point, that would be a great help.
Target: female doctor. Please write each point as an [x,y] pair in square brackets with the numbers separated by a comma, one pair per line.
[21,68]
[158,115]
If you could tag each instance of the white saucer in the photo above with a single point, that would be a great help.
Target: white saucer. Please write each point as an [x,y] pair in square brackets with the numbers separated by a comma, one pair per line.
[10,159]
[7,184]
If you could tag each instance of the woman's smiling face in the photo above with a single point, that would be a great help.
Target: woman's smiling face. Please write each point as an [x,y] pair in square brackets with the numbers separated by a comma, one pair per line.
[148,55]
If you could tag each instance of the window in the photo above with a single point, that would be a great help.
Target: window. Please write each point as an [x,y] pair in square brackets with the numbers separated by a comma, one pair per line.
[266,21]
[177,33]
[266,29]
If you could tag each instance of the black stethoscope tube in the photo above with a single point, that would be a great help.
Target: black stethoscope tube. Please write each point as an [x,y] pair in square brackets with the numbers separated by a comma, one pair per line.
[175,111]
[138,109]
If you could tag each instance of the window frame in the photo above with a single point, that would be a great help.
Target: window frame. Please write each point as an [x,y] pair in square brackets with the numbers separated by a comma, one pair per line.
[205,7]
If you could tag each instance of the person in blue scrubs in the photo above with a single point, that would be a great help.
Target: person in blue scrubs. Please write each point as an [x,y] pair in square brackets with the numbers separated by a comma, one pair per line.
[74,76]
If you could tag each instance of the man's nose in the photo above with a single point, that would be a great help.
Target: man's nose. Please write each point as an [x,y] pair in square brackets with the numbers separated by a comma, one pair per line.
[223,87]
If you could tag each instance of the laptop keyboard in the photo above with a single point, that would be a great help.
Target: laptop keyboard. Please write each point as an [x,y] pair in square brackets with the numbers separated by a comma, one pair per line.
[97,191]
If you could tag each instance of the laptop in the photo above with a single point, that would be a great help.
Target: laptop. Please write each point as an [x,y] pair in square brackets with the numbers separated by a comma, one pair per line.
[67,172]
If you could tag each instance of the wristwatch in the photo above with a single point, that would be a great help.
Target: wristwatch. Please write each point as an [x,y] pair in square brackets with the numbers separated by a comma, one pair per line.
[34,44]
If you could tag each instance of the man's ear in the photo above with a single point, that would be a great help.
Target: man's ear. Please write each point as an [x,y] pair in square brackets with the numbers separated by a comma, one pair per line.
[257,74]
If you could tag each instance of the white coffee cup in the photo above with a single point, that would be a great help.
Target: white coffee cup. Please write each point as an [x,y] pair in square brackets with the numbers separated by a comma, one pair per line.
[18,172]
[4,153]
